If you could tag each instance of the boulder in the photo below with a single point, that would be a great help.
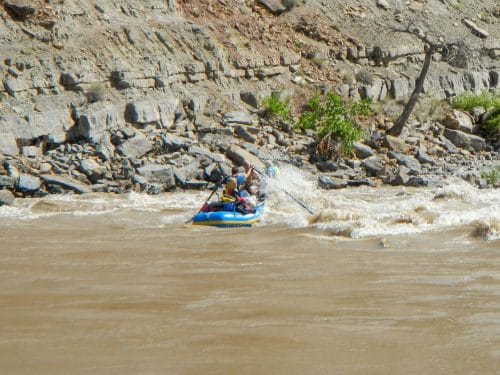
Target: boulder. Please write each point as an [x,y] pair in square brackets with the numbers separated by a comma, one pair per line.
[327,182]
[98,119]
[242,118]
[66,182]
[417,181]
[54,126]
[8,145]
[214,172]
[409,161]
[384,4]
[106,149]
[250,98]
[172,143]
[187,173]
[363,151]
[373,166]
[7,182]
[458,120]
[28,183]
[401,178]
[135,147]
[20,9]
[16,85]
[274,6]
[201,153]
[239,155]
[92,169]
[327,166]
[159,174]
[424,158]
[6,198]
[154,188]
[31,151]
[242,132]
[362,182]
[195,184]
[396,144]
[198,103]
[463,140]
[447,144]
[147,111]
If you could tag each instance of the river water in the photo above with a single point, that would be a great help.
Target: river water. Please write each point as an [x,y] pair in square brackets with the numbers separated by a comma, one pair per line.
[379,281]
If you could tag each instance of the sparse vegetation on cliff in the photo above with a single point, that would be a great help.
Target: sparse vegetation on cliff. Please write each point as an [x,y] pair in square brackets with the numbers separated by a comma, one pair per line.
[490,102]
[96,92]
[332,120]
[491,176]
[470,101]
[276,107]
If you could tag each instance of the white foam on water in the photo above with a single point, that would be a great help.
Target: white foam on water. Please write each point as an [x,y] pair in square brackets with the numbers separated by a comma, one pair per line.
[367,212]
[353,212]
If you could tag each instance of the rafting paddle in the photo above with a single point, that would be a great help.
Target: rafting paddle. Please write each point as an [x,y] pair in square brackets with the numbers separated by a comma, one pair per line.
[298,201]
[206,201]
[295,199]
[210,196]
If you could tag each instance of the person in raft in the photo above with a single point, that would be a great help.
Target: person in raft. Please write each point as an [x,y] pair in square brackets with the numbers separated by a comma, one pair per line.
[253,179]
[238,174]
[237,197]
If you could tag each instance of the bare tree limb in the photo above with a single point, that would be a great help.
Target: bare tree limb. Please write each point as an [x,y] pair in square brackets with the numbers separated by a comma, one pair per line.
[431,47]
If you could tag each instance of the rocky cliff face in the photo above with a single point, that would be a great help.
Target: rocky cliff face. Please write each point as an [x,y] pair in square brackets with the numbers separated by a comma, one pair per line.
[97,90]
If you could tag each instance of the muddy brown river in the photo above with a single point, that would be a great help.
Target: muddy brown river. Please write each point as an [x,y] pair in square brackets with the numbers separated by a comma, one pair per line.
[380,281]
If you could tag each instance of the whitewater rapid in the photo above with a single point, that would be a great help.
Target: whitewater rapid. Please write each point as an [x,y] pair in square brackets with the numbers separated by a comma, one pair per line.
[360,212]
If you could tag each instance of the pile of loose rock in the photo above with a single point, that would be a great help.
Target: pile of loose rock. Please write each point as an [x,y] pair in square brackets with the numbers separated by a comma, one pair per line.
[163,155]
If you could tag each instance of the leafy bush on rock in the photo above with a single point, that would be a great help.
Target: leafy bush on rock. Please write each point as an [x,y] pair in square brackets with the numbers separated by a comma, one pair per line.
[275,107]
[490,102]
[332,120]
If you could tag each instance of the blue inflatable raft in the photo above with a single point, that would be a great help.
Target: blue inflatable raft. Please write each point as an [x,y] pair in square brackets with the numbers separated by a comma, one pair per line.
[229,217]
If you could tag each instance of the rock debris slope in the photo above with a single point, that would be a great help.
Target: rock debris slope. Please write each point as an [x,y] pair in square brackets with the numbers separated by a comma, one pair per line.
[111,95]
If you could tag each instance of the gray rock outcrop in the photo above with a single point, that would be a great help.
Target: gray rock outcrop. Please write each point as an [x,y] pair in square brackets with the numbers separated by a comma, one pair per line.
[6,198]
[464,140]
[8,144]
[135,147]
[66,183]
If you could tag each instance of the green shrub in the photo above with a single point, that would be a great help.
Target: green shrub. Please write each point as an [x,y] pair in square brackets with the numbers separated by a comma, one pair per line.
[96,92]
[298,44]
[276,107]
[331,118]
[492,123]
[492,176]
[469,101]
[490,102]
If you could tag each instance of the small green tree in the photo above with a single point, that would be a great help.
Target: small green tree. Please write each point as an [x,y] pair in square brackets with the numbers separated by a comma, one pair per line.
[334,123]
[491,176]
[276,107]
